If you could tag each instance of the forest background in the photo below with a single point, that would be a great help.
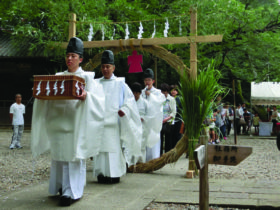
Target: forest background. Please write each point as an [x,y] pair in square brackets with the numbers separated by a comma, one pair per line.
[249,51]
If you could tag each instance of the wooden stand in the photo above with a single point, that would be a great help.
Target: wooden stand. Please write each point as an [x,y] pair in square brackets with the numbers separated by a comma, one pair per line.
[190,174]
[215,154]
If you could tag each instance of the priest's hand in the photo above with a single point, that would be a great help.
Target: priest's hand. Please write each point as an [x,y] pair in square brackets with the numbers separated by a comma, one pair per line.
[166,119]
[83,96]
[121,113]
[147,93]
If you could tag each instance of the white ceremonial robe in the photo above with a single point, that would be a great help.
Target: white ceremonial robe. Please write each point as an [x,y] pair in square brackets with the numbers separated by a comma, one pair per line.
[121,140]
[72,130]
[154,122]
[142,106]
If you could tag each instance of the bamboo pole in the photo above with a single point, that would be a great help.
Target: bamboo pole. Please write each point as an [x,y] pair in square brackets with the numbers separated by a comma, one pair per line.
[234,115]
[193,45]
[72,27]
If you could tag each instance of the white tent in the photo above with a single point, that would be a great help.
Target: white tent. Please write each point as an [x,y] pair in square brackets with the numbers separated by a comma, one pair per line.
[265,93]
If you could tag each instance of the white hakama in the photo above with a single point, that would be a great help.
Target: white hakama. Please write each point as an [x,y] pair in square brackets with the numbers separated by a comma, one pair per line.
[68,176]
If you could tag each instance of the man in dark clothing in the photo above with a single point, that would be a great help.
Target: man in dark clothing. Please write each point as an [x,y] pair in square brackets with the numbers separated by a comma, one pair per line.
[247,117]
[178,122]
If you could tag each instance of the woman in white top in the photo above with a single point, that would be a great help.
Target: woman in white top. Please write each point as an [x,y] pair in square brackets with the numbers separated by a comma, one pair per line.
[169,113]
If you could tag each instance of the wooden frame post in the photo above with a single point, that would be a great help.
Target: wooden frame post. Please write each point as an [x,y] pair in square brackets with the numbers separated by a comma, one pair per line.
[156,73]
[193,45]
[234,116]
[203,178]
[193,69]
[72,26]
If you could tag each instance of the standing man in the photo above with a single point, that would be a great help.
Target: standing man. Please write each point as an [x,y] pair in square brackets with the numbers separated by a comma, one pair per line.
[121,139]
[16,115]
[237,119]
[243,124]
[71,129]
[155,99]
[169,113]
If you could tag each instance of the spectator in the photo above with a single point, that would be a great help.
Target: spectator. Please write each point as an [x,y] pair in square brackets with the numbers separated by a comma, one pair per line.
[169,113]
[215,130]
[274,118]
[256,123]
[269,114]
[247,119]
[224,116]
[176,136]
[219,123]
[237,119]
[230,119]
[16,115]
[242,122]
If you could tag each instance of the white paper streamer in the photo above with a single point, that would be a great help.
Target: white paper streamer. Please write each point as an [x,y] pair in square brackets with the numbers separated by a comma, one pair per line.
[55,88]
[77,87]
[140,31]
[154,33]
[38,88]
[90,33]
[126,32]
[165,32]
[180,27]
[103,33]
[48,88]
[62,87]
[112,38]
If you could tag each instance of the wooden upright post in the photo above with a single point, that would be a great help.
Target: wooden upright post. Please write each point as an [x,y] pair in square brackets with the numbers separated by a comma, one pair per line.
[72,26]
[193,73]
[234,116]
[203,177]
[193,46]
[156,80]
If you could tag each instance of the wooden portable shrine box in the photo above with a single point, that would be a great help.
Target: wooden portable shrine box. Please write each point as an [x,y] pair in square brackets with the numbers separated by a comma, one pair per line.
[57,87]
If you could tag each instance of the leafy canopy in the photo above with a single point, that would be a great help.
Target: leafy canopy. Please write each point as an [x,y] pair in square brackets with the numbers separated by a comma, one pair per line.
[249,51]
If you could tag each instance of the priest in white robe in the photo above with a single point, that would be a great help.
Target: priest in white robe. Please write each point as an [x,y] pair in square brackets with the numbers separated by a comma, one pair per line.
[121,142]
[143,109]
[71,130]
[155,99]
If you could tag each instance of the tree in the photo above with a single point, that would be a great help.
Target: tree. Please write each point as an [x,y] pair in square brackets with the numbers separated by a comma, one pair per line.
[249,51]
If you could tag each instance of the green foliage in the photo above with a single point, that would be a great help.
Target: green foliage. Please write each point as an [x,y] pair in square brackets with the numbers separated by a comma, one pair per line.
[249,51]
[197,97]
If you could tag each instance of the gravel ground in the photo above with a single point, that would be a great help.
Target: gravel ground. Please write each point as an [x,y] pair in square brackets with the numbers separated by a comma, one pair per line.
[172,206]
[18,169]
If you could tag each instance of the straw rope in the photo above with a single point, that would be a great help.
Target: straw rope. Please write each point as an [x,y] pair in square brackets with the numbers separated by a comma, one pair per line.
[173,60]
[170,157]
[132,21]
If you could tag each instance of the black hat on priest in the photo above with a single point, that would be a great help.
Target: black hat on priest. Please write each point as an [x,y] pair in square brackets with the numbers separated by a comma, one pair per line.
[136,87]
[107,57]
[148,73]
[75,45]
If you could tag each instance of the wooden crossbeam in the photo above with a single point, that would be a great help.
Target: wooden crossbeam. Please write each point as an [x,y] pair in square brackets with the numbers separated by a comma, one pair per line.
[149,41]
